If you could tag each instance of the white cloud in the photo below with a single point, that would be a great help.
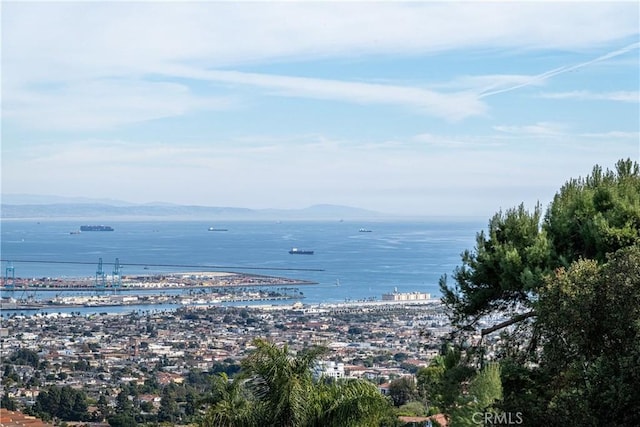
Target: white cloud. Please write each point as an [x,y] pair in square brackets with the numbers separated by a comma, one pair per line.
[92,66]
[615,135]
[78,45]
[106,103]
[540,129]
[134,36]
[585,95]
[450,105]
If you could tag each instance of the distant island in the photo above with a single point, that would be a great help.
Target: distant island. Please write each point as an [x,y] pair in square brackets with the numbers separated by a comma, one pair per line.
[51,207]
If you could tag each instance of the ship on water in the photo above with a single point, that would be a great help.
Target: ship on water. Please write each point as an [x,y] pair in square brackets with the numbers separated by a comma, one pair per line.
[96,228]
[296,251]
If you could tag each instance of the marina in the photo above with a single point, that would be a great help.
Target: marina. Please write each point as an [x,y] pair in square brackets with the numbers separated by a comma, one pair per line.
[189,288]
[98,301]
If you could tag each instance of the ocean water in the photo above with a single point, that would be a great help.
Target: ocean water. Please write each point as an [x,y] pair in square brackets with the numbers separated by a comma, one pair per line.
[347,264]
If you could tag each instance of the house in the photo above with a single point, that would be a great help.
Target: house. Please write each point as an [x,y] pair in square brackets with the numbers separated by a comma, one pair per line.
[18,419]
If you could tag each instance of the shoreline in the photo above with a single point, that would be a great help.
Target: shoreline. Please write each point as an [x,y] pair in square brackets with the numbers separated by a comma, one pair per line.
[150,288]
[153,282]
[297,305]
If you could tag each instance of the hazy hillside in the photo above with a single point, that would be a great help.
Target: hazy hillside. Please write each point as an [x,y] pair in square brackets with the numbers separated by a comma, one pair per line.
[32,206]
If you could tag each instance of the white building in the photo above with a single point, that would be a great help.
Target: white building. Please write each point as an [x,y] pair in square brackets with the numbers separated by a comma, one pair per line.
[408,296]
[328,369]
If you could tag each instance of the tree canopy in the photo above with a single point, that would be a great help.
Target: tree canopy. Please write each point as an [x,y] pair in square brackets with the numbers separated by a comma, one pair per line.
[588,219]
[574,274]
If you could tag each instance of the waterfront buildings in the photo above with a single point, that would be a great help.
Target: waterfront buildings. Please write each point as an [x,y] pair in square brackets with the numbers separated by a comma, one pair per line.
[407,296]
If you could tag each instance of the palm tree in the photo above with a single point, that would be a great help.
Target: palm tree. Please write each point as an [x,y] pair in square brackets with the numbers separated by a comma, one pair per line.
[231,407]
[349,403]
[281,381]
[284,385]
[276,388]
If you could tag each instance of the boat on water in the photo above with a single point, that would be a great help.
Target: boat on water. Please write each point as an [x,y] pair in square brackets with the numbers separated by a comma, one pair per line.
[216,229]
[296,251]
[364,230]
[96,228]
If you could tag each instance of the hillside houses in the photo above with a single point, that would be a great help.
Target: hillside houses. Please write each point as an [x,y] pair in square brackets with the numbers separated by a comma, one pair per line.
[101,352]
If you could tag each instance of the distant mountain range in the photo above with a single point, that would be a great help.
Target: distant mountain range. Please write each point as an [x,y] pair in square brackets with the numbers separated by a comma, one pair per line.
[26,206]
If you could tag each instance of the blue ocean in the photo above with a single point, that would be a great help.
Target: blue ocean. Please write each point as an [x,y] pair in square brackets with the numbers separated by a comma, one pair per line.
[347,264]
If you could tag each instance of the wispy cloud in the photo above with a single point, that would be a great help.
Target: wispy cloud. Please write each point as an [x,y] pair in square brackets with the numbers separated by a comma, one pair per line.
[447,105]
[584,95]
[105,103]
[614,135]
[362,102]
[79,45]
[540,129]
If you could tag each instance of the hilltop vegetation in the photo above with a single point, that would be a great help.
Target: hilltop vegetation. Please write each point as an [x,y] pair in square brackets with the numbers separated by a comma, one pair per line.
[570,355]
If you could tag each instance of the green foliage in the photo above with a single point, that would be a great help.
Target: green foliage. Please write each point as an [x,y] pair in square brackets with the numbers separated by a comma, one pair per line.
[348,403]
[486,386]
[123,403]
[525,390]
[600,214]
[231,406]
[588,218]
[103,407]
[276,388]
[441,383]
[484,391]
[577,272]
[402,390]
[280,380]
[65,403]
[168,410]
[9,375]
[590,319]
[7,402]
[24,356]
[428,380]
[412,409]
[505,268]
[122,420]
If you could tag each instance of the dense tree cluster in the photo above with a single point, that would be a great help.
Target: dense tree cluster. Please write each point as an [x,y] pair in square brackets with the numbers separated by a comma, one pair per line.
[25,356]
[64,403]
[570,279]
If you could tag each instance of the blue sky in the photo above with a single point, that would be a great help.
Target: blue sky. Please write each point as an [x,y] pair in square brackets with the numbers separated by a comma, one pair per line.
[417,108]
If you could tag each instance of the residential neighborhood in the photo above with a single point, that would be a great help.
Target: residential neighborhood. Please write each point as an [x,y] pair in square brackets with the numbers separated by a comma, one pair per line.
[103,354]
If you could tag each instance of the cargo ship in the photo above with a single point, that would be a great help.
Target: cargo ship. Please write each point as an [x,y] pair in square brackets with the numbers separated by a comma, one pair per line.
[296,251]
[95,228]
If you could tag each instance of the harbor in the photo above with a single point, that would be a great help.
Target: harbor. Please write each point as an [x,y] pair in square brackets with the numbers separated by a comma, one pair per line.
[96,301]
[181,289]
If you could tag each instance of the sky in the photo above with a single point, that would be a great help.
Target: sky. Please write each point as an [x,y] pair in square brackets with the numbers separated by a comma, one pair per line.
[408,108]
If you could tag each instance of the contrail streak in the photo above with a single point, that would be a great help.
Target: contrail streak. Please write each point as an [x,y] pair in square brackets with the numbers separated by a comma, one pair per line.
[561,70]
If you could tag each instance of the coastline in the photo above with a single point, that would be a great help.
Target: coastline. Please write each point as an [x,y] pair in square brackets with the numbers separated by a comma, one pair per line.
[153,282]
